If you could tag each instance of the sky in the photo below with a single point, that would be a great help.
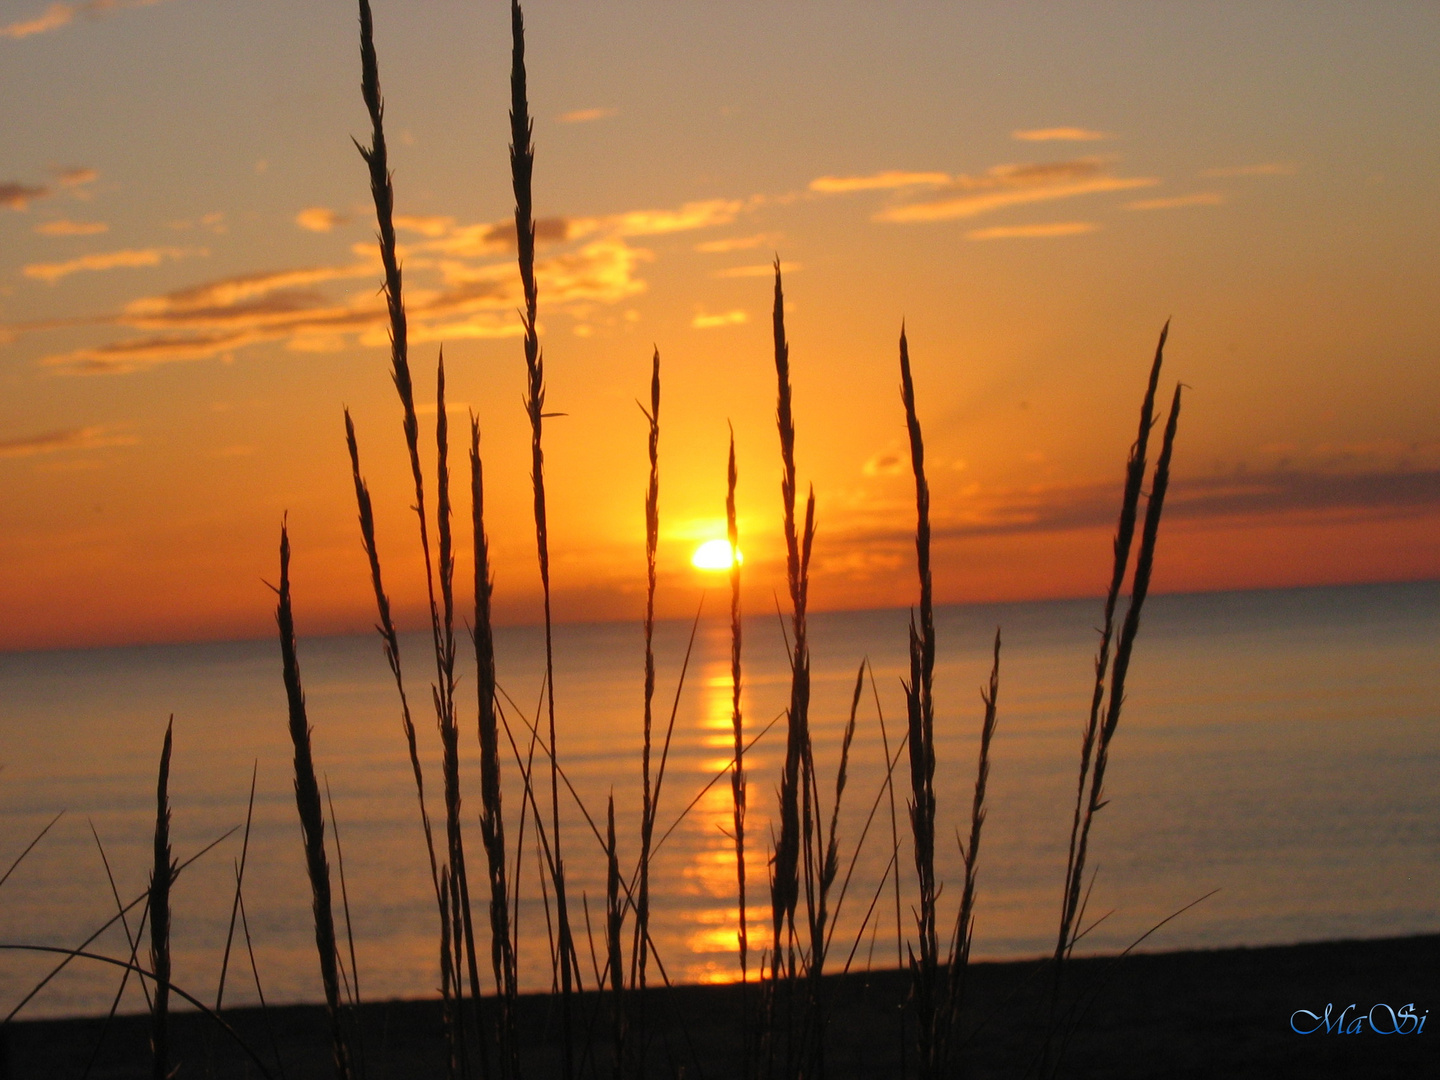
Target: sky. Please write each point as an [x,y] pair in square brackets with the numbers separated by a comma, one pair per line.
[189,296]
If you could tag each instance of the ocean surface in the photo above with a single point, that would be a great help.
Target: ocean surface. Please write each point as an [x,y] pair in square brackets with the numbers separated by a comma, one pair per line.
[1281,747]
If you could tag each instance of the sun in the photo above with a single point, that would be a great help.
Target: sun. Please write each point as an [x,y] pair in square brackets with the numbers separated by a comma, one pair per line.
[716,555]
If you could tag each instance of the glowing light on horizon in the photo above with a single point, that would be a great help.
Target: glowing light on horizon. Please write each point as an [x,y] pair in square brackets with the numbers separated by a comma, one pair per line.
[716,555]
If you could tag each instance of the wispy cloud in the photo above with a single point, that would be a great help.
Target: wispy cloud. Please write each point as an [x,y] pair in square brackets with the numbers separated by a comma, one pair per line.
[445,237]
[49,442]
[585,116]
[737,243]
[1060,134]
[1014,185]
[690,216]
[432,226]
[66,227]
[887,462]
[1269,168]
[881,181]
[18,196]
[713,322]
[460,283]
[53,18]
[1176,202]
[51,273]
[763,270]
[320,219]
[60,15]
[1310,494]
[1029,232]
[76,176]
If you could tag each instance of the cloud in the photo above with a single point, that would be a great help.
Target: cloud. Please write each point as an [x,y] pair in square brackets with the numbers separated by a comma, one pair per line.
[51,273]
[461,282]
[1014,185]
[432,226]
[17,196]
[49,442]
[737,243]
[1270,168]
[585,116]
[61,15]
[881,181]
[765,270]
[319,219]
[66,227]
[53,18]
[887,462]
[1397,492]
[1060,134]
[76,176]
[712,322]
[1029,232]
[120,357]
[496,238]
[1175,202]
[292,307]
[692,215]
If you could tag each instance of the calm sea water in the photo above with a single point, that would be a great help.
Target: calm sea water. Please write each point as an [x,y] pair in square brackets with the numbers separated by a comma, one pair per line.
[1282,747]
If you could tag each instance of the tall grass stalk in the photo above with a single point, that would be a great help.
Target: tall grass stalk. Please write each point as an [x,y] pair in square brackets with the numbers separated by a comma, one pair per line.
[312,818]
[162,874]
[737,724]
[640,951]
[614,928]
[444,700]
[1124,535]
[795,780]
[391,639]
[522,165]
[830,864]
[492,818]
[1139,589]
[382,191]
[970,852]
[920,711]
[1104,730]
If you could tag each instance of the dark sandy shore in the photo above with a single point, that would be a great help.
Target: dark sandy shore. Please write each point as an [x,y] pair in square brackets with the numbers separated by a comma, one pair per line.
[1225,1013]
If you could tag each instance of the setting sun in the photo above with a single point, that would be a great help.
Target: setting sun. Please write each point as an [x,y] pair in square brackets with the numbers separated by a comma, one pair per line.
[716,555]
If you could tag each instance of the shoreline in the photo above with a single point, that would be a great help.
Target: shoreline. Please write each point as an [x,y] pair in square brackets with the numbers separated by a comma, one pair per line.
[1223,1012]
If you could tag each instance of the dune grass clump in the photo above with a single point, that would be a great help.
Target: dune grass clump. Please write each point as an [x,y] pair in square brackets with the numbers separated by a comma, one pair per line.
[784,1033]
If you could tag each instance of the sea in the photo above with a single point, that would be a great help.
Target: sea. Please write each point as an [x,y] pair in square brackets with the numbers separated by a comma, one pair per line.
[1278,755]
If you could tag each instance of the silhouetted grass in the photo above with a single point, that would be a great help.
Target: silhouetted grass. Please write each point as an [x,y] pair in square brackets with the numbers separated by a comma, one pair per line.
[522,164]
[641,947]
[920,712]
[312,818]
[492,817]
[807,843]
[162,873]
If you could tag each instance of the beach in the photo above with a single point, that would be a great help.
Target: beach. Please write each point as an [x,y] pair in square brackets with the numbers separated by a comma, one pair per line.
[1217,1013]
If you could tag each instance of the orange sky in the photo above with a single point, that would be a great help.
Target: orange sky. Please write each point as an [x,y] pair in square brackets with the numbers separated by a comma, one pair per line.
[188,296]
